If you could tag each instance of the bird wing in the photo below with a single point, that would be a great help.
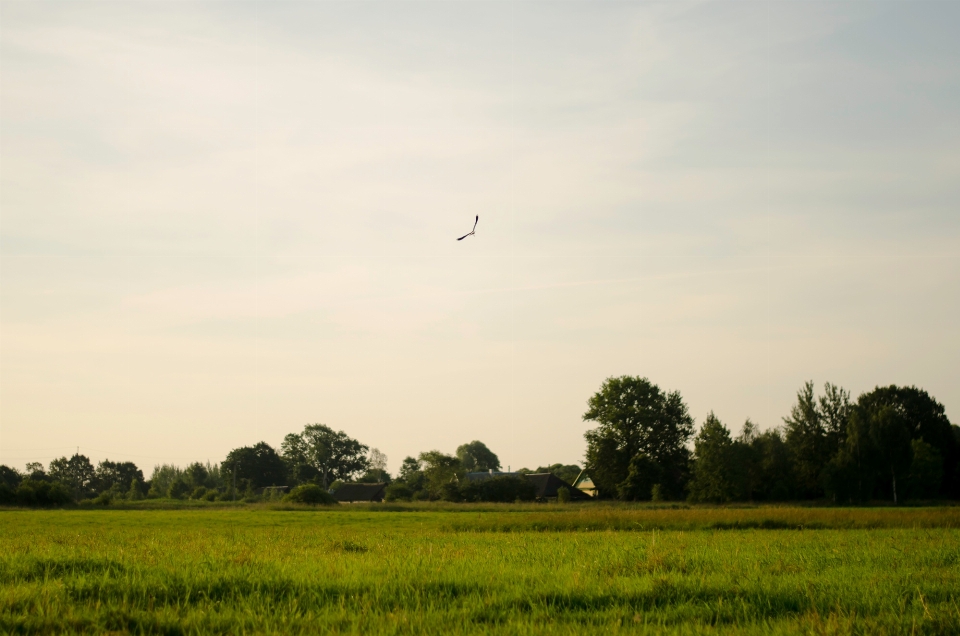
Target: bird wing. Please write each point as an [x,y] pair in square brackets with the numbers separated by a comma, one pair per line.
[471,231]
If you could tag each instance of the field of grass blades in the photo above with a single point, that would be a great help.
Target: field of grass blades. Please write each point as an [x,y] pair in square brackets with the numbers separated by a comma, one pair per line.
[481,570]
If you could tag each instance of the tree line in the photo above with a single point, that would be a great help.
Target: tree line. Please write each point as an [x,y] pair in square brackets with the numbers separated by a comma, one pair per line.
[892,443]
[319,457]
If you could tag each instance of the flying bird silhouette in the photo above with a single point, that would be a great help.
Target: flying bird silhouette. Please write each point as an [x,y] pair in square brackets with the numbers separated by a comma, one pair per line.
[471,231]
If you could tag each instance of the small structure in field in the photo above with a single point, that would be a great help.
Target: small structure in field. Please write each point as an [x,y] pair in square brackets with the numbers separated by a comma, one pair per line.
[349,493]
[584,483]
[547,485]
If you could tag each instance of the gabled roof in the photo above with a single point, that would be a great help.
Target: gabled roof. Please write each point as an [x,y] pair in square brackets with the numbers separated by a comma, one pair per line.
[583,479]
[359,492]
[547,485]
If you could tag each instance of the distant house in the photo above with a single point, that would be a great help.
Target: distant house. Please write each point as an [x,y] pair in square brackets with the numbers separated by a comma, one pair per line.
[546,484]
[349,493]
[584,483]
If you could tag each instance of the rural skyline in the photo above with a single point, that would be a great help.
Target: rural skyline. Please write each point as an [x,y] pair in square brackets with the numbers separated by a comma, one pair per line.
[220,222]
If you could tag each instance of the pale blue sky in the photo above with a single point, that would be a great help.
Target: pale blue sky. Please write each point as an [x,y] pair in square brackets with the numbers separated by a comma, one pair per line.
[220,222]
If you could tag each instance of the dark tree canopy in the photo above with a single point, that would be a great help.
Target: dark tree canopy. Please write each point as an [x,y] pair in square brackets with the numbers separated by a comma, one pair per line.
[439,472]
[10,477]
[476,457]
[716,469]
[76,473]
[256,466]
[412,476]
[116,475]
[814,432]
[332,454]
[925,419]
[635,416]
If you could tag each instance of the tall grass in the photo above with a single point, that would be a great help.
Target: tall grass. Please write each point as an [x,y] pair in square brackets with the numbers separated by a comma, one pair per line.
[362,570]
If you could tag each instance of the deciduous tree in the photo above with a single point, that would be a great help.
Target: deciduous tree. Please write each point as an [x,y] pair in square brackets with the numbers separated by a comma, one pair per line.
[476,457]
[76,473]
[256,466]
[332,454]
[635,416]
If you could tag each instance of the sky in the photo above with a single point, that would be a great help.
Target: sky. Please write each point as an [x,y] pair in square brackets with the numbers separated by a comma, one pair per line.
[220,222]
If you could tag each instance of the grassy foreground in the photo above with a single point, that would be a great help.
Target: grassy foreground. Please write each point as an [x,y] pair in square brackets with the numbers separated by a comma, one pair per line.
[514,570]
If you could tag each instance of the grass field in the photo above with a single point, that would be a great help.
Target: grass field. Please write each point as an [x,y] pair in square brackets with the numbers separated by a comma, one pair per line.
[491,569]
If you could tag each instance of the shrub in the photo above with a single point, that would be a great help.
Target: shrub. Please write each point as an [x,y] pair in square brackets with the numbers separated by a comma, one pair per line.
[211,495]
[104,499]
[563,495]
[8,496]
[199,492]
[310,494]
[177,490]
[398,492]
[656,493]
[43,493]
[451,492]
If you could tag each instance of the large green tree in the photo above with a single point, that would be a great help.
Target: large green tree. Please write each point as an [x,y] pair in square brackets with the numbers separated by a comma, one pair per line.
[328,454]
[475,456]
[717,474]
[440,472]
[116,476]
[634,416]
[925,419]
[815,431]
[254,466]
[76,473]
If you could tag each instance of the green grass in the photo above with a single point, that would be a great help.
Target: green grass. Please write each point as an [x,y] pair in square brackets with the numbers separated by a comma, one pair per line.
[481,569]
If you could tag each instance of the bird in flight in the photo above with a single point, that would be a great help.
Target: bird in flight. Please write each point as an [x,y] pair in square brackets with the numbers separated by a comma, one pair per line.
[471,231]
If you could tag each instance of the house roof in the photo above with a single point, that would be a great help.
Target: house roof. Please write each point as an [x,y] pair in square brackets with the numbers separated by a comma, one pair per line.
[547,485]
[583,480]
[359,492]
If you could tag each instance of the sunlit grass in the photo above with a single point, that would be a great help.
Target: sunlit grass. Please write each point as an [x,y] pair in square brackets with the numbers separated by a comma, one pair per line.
[481,569]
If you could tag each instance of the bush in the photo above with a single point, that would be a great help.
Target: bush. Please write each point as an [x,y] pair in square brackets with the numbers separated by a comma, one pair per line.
[199,492]
[656,493]
[398,492]
[563,495]
[310,494]
[104,499]
[211,495]
[451,492]
[43,493]
[8,496]
[177,490]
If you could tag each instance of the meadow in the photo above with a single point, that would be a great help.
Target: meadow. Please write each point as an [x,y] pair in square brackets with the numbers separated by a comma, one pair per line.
[481,569]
